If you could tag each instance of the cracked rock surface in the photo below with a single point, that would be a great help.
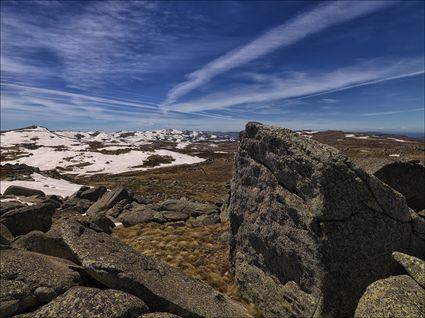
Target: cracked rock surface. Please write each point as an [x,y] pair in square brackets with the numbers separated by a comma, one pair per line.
[161,287]
[308,225]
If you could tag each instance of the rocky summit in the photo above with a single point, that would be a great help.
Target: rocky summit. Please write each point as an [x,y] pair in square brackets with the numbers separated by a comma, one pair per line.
[309,229]
[311,235]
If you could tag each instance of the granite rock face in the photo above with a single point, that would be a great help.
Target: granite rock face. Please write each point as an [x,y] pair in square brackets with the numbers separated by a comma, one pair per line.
[161,287]
[309,230]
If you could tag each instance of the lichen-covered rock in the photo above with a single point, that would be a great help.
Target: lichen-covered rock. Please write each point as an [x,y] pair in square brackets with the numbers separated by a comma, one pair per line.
[26,272]
[408,178]
[30,218]
[162,287]
[84,302]
[303,214]
[396,296]
[415,267]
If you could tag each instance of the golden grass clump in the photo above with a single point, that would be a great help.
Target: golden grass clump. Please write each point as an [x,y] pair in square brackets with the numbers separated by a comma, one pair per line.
[197,251]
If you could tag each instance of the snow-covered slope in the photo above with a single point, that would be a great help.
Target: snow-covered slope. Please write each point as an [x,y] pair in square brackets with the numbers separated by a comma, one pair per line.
[86,153]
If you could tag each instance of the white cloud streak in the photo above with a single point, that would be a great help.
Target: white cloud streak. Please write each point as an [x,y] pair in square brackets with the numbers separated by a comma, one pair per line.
[394,112]
[296,29]
[303,85]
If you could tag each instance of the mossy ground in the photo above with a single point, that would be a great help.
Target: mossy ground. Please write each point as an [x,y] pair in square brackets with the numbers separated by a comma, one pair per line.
[197,251]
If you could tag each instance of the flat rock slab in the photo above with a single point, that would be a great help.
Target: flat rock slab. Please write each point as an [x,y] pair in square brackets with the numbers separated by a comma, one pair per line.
[162,287]
[84,302]
[40,277]
[396,296]
[30,218]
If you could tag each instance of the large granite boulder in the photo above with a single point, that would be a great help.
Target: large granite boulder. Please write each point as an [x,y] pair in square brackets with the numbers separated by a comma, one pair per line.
[23,191]
[29,278]
[408,178]
[84,302]
[30,218]
[162,287]
[309,230]
[395,296]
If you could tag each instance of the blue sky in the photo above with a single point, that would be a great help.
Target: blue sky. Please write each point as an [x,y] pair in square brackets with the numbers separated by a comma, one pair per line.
[349,65]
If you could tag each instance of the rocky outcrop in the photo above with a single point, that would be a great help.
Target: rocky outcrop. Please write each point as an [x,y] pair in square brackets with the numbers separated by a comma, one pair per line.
[396,296]
[30,218]
[195,213]
[27,192]
[162,287]
[29,278]
[84,302]
[408,178]
[309,230]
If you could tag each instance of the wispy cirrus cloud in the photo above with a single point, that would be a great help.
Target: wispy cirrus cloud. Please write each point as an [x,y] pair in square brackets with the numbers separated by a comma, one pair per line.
[93,44]
[286,34]
[303,85]
[394,112]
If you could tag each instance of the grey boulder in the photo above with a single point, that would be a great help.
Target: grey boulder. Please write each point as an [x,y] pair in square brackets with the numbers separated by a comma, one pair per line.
[26,219]
[23,191]
[38,278]
[162,287]
[108,200]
